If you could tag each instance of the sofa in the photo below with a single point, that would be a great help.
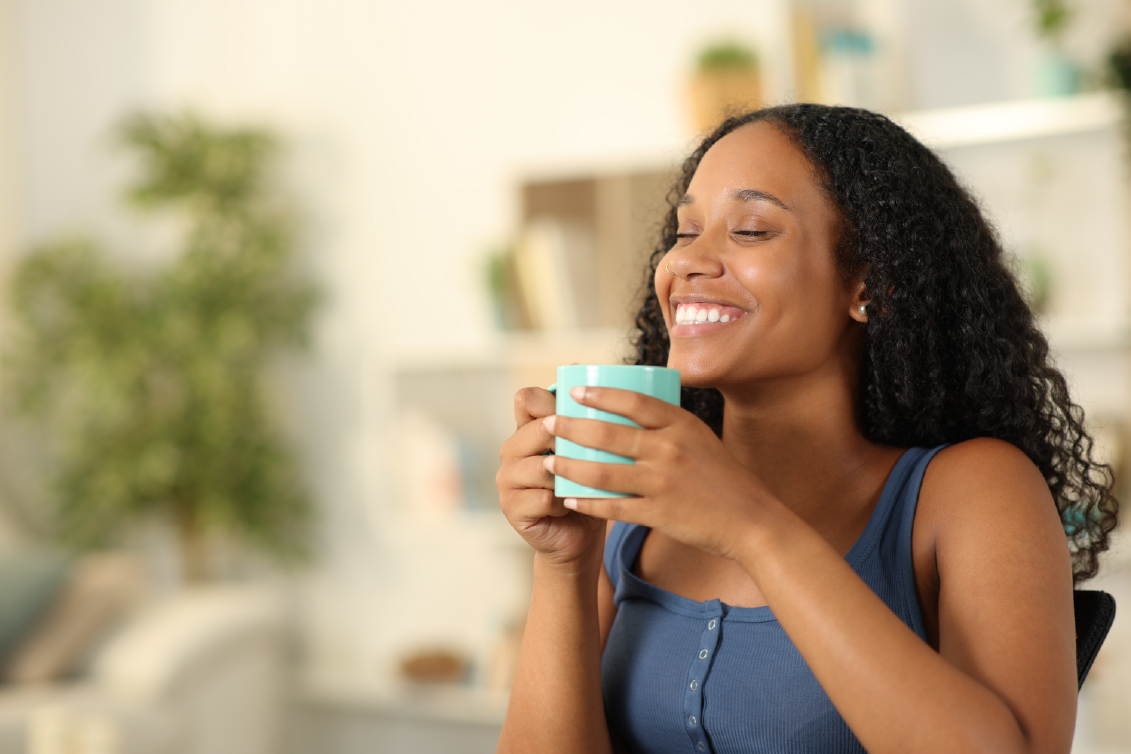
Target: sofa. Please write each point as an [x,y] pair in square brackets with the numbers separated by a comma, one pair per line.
[199,671]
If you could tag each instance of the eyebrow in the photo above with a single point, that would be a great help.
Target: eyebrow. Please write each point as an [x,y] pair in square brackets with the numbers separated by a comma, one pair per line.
[742,195]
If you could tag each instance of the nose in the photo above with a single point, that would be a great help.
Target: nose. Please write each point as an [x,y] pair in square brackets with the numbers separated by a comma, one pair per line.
[699,258]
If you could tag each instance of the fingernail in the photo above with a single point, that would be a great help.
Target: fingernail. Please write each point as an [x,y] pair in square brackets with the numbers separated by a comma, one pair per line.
[548,464]
[571,503]
[548,423]
[577,393]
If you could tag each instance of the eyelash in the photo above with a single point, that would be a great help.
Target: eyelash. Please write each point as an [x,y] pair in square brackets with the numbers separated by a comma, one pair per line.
[752,233]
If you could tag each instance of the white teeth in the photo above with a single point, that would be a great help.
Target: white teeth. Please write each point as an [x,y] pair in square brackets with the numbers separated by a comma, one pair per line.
[689,314]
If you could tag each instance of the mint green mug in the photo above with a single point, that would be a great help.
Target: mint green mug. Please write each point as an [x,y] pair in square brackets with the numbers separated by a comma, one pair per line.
[658,382]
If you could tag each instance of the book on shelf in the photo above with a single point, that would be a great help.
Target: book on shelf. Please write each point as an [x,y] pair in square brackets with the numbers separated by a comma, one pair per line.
[556,270]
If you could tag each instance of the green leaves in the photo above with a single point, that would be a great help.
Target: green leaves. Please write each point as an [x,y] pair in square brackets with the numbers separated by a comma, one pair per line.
[1052,18]
[728,56]
[151,383]
[182,160]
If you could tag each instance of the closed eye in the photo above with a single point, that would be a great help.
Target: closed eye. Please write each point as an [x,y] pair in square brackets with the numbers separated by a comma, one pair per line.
[751,233]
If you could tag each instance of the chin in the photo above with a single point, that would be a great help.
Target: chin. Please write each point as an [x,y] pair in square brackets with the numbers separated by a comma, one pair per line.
[694,375]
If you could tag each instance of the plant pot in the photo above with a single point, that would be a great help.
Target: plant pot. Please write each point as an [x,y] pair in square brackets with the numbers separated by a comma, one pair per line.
[717,95]
[1056,74]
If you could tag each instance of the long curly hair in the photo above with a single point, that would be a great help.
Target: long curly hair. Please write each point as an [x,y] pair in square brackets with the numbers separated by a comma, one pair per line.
[951,350]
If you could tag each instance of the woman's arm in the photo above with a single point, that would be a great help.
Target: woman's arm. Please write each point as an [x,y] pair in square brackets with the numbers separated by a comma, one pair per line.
[555,703]
[1003,679]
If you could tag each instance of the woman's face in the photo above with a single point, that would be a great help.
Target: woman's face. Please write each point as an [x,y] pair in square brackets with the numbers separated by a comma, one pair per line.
[754,292]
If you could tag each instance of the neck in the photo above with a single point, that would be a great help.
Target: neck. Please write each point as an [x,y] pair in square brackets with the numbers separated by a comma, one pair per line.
[805,442]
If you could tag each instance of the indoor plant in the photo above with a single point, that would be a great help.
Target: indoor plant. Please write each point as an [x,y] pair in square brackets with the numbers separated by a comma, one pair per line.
[726,82]
[150,380]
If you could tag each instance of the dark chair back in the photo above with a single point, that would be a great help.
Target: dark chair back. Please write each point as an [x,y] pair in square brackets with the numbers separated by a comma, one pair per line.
[1095,612]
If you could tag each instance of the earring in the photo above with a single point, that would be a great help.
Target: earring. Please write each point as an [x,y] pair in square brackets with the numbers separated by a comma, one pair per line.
[863,309]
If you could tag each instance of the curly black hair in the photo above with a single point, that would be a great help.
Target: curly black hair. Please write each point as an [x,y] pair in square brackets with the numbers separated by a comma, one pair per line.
[951,350]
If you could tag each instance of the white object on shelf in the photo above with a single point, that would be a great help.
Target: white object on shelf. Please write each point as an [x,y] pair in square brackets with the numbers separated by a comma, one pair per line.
[1010,121]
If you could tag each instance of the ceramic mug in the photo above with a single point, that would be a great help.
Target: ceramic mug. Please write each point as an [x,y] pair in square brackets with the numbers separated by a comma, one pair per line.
[658,382]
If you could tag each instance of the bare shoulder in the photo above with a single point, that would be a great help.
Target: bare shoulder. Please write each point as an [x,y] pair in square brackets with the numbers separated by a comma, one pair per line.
[997,576]
[984,481]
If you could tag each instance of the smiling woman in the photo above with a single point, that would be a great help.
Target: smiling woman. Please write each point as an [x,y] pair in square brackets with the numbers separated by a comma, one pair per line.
[862,528]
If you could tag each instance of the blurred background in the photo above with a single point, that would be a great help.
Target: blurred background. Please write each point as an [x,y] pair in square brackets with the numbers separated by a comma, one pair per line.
[273,269]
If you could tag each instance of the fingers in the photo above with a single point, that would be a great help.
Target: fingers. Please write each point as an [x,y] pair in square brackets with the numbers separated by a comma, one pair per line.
[625,478]
[532,403]
[645,410]
[530,439]
[600,435]
[524,507]
[631,510]
[525,474]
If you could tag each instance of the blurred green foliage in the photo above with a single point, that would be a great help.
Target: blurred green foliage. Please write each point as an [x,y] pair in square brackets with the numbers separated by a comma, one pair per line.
[728,56]
[151,383]
[1119,65]
[1052,17]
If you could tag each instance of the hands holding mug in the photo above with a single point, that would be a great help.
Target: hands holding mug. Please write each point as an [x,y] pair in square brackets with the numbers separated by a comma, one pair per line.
[625,452]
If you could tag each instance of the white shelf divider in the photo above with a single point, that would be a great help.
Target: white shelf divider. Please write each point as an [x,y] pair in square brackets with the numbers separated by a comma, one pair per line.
[1013,121]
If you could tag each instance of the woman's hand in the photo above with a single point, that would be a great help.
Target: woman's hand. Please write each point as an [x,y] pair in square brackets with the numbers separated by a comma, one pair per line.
[689,486]
[526,489]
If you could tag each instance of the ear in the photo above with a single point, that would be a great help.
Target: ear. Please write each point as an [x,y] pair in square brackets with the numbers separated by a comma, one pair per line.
[858,307]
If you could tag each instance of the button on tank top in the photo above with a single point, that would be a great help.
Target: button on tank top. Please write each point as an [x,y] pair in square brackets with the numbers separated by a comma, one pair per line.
[686,676]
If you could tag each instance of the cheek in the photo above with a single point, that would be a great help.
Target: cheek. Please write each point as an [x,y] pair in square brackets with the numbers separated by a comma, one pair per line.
[662,280]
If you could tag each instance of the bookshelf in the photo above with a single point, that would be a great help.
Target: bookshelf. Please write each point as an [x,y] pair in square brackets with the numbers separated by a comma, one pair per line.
[614,205]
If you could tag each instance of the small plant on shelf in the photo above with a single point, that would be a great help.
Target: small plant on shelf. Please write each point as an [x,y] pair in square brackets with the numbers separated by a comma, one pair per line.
[728,56]
[150,381]
[1057,73]
[726,82]
[1052,19]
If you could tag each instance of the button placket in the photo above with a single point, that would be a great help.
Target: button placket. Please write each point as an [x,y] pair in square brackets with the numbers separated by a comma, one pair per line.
[697,674]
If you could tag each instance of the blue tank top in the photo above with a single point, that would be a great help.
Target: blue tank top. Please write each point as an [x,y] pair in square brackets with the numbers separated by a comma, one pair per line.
[685,676]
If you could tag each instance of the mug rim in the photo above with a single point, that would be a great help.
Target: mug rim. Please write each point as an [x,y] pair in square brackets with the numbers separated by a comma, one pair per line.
[616,366]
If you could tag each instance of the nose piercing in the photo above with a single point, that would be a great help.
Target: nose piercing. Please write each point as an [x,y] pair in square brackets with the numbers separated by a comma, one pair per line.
[668,267]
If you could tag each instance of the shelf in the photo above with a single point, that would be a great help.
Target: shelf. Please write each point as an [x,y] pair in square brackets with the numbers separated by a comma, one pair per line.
[1013,121]
[942,128]
[440,703]
[517,350]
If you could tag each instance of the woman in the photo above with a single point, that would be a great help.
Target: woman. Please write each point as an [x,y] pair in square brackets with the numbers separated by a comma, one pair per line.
[853,533]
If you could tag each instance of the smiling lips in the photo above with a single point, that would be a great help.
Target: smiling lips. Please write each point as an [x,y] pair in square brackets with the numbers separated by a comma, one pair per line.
[693,314]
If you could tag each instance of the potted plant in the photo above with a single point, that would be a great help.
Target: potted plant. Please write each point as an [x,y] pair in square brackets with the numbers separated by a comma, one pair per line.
[726,82]
[149,382]
[1057,73]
